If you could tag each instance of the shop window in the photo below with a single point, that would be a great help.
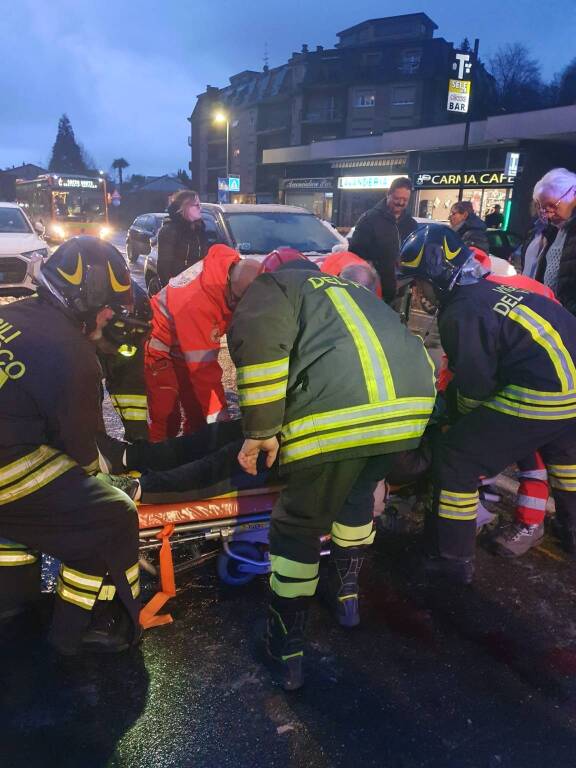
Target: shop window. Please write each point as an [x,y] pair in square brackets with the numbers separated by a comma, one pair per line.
[364,98]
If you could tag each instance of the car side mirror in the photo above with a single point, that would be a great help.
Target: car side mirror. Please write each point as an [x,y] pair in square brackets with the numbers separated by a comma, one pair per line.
[40,228]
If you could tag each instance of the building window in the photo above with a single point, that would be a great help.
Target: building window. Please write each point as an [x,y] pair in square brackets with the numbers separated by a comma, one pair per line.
[364,99]
[410,62]
[371,58]
[403,96]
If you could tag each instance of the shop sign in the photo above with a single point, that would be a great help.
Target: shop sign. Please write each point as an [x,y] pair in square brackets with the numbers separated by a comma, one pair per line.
[472,179]
[366,182]
[458,95]
[312,184]
[512,164]
[68,183]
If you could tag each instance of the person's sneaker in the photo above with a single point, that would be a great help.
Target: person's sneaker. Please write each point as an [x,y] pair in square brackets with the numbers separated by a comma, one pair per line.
[111,452]
[458,570]
[516,539]
[129,485]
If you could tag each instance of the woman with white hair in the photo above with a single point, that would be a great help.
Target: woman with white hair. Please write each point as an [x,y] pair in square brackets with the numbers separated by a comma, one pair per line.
[555,201]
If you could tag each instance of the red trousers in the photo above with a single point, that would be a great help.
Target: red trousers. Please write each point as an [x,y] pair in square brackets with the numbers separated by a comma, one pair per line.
[533,490]
[170,393]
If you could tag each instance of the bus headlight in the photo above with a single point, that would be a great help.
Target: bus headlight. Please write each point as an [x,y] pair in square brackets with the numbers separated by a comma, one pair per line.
[58,231]
[105,232]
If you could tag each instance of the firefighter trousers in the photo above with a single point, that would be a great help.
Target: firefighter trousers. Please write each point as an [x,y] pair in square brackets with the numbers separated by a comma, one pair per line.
[336,498]
[483,443]
[92,529]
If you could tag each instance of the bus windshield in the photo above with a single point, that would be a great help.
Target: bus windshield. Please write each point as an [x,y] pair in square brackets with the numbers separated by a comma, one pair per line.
[78,205]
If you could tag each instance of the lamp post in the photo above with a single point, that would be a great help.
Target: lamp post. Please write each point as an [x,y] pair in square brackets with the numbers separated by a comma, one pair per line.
[222,117]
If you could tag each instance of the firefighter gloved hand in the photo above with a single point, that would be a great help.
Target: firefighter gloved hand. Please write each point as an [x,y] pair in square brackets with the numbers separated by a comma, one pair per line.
[248,456]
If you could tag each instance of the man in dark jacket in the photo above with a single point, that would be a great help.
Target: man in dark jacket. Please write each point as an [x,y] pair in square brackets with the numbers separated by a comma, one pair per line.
[182,238]
[328,367]
[470,227]
[380,232]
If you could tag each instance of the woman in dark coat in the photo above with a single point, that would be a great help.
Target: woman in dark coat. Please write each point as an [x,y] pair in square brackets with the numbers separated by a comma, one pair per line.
[182,238]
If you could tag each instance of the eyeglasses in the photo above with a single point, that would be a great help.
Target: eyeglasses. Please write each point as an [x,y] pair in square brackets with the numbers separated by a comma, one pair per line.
[553,207]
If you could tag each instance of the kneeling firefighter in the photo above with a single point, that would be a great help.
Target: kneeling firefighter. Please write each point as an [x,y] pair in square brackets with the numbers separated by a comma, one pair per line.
[121,353]
[50,411]
[513,358]
[330,378]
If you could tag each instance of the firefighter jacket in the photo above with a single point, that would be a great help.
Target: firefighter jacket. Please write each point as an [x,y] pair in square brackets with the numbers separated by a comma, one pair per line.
[50,406]
[126,385]
[328,366]
[511,350]
[189,316]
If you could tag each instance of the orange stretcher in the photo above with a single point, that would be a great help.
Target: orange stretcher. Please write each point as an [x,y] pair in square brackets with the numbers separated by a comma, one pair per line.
[238,520]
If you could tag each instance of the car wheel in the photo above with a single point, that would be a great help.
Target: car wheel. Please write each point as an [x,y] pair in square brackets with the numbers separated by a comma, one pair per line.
[153,285]
[132,257]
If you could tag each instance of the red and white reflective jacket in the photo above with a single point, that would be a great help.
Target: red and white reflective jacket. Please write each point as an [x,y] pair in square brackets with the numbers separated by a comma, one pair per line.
[189,316]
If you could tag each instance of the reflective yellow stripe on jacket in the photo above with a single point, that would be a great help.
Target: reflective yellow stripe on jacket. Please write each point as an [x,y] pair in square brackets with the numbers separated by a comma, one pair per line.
[32,472]
[262,383]
[130,407]
[402,419]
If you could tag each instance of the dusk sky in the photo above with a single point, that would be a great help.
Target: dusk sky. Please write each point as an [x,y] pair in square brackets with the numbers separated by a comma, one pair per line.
[128,73]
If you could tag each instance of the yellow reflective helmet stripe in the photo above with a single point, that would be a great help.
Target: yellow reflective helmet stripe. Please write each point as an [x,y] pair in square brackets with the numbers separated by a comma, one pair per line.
[117,286]
[415,261]
[448,253]
[76,277]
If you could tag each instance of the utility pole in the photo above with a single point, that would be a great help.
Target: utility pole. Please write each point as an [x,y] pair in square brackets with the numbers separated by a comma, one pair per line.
[468,121]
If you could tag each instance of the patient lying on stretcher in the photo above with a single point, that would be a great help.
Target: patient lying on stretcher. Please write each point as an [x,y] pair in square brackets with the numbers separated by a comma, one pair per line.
[187,468]
[205,464]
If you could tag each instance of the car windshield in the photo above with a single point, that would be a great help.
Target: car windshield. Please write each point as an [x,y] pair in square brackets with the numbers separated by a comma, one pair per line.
[262,232]
[13,220]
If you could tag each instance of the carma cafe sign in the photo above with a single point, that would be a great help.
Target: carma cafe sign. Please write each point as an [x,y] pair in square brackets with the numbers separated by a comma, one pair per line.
[472,179]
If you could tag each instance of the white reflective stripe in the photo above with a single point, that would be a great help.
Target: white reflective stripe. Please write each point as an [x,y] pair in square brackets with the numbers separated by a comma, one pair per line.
[37,479]
[562,470]
[532,502]
[533,474]
[213,417]
[133,572]
[201,355]
[563,484]
[261,395]
[26,464]
[158,345]
[250,374]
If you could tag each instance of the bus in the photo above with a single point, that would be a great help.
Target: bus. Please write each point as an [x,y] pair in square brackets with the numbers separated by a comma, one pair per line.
[66,205]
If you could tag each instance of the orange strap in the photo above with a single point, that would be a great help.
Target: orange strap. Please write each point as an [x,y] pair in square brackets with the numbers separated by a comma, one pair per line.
[149,614]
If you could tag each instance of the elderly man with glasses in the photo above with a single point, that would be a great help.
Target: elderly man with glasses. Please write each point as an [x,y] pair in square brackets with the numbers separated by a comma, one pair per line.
[555,202]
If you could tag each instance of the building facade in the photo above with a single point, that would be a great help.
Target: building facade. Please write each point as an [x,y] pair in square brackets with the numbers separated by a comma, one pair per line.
[383,75]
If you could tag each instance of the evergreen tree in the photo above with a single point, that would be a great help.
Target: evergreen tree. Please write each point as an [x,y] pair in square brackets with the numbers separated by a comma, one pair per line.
[567,84]
[66,153]
[465,45]
[119,164]
[183,177]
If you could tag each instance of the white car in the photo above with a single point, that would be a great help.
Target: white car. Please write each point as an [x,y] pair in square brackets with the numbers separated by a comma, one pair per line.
[19,245]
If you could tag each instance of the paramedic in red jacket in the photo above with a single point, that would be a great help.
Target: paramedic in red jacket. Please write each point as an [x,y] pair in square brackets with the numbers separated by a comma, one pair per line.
[190,315]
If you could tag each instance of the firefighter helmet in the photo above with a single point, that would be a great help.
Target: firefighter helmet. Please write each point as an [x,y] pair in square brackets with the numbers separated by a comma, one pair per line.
[433,253]
[129,328]
[280,256]
[87,274]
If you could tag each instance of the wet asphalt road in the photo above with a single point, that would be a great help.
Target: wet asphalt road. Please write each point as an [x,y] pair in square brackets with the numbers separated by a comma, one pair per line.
[483,677]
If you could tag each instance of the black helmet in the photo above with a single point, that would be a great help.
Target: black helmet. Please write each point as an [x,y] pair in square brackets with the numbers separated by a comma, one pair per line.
[129,328]
[434,253]
[87,274]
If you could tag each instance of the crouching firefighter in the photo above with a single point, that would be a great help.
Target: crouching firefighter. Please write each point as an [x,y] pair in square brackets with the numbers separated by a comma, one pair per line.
[50,411]
[513,358]
[328,376]
[121,353]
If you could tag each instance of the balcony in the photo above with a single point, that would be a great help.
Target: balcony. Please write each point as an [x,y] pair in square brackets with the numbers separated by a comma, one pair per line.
[323,115]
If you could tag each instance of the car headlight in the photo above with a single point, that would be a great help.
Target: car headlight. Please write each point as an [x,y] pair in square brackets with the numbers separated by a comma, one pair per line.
[105,232]
[57,230]
[39,253]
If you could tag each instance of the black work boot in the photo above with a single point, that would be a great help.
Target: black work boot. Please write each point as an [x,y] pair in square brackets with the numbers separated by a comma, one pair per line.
[111,629]
[458,570]
[342,587]
[284,642]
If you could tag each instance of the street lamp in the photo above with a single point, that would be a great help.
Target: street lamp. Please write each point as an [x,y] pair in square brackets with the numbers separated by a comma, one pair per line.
[222,117]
